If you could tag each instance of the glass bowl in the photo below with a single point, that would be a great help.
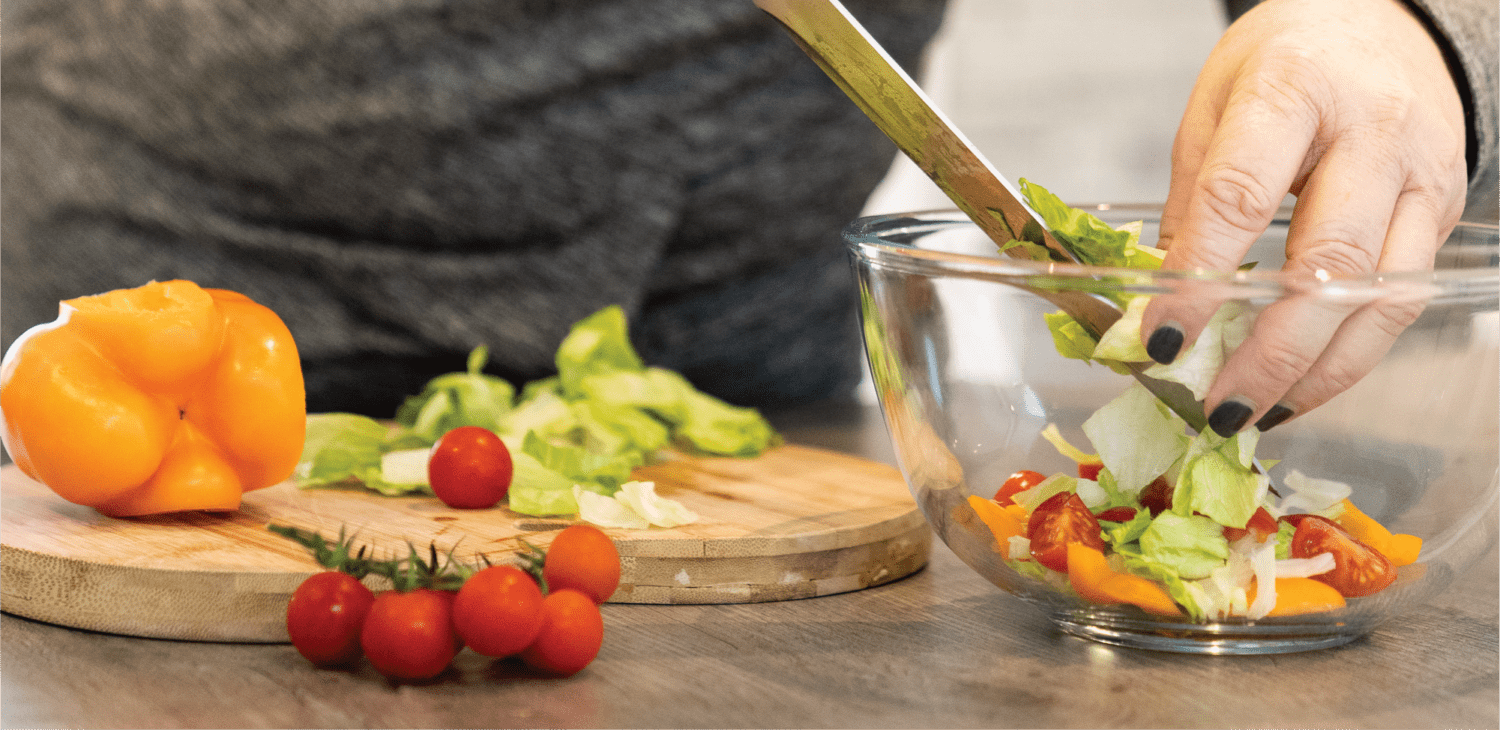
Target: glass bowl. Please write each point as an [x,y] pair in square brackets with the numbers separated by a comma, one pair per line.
[968,378]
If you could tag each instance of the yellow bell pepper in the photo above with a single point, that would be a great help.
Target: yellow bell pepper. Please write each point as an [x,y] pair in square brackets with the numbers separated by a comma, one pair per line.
[1092,578]
[1003,523]
[162,398]
[1295,596]
[1398,548]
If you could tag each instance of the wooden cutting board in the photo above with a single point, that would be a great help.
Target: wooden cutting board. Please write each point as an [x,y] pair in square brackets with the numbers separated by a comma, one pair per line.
[795,522]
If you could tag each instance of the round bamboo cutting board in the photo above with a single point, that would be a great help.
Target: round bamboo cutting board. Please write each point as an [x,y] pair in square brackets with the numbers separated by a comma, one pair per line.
[792,523]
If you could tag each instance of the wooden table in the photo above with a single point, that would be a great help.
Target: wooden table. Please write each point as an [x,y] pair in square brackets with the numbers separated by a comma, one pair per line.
[942,648]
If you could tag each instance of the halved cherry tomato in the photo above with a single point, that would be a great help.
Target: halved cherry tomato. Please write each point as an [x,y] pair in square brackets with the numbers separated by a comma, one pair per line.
[1116,514]
[409,635]
[572,632]
[325,616]
[1157,496]
[1359,570]
[583,558]
[1262,524]
[1060,520]
[498,611]
[1090,470]
[470,468]
[1017,482]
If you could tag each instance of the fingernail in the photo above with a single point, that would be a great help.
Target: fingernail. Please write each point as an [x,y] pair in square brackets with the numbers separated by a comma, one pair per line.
[1165,342]
[1230,416]
[1273,417]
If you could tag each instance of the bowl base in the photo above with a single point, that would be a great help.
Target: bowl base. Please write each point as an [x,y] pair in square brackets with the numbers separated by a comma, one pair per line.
[1218,639]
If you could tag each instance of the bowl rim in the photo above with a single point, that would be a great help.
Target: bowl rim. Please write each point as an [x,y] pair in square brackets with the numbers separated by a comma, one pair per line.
[1467,269]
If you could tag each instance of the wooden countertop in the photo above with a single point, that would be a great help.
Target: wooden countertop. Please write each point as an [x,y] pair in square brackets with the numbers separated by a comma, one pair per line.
[942,648]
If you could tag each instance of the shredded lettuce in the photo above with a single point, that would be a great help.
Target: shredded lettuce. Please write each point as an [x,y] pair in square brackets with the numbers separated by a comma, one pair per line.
[469,398]
[603,414]
[1138,437]
[1191,545]
[1216,480]
[1093,241]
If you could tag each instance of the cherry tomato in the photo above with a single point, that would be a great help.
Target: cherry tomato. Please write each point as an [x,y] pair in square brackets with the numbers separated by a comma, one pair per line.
[572,632]
[1017,482]
[1090,470]
[409,635]
[1157,496]
[1116,514]
[498,611]
[1262,524]
[325,616]
[1060,520]
[584,559]
[1359,570]
[470,468]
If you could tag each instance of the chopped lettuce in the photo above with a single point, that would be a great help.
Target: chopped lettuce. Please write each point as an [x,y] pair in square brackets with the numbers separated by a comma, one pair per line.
[1069,337]
[1191,545]
[1093,241]
[1312,495]
[1048,488]
[1138,437]
[635,506]
[1216,479]
[602,415]
[469,398]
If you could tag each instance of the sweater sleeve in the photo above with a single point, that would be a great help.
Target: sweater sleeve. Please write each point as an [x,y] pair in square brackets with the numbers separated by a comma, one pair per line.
[1466,30]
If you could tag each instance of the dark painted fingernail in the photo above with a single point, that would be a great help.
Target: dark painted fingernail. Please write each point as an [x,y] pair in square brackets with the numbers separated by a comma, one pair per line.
[1165,343]
[1273,417]
[1230,416]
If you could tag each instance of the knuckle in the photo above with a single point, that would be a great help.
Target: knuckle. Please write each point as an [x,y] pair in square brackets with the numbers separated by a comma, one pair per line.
[1337,253]
[1280,362]
[1392,318]
[1238,198]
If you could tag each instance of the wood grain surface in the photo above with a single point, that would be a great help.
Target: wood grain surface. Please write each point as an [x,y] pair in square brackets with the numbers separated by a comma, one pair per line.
[795,522]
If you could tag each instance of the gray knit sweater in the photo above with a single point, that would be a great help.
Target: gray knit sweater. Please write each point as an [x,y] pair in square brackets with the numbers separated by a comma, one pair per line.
[402,180]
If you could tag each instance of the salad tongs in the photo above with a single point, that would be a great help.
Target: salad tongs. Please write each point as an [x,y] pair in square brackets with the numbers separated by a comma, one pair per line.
[847,53]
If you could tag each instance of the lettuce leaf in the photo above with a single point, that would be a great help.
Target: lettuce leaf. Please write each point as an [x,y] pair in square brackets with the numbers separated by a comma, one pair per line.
[1216,480]
[1138,437]
[1190,545]
[469,398]
[1091,240]
[602,415]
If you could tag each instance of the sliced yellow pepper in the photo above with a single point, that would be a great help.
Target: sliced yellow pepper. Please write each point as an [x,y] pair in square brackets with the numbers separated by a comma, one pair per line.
[1001,521]
[1093,579]
[1302,595]
[1399,549]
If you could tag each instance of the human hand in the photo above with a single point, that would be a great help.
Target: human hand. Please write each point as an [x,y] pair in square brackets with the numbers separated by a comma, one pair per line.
[1348,105]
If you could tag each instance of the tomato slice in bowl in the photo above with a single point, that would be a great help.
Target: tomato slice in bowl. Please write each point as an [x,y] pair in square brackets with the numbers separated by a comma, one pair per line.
[1359,570]
[1055,523]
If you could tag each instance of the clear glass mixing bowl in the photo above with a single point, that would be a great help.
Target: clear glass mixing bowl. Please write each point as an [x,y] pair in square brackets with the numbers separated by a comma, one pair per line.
[968,377]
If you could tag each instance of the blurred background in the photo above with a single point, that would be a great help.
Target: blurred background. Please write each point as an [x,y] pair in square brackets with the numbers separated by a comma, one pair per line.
[1081,96]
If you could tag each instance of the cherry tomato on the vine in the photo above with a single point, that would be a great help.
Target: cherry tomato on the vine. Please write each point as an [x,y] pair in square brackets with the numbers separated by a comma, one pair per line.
[1359,570]
[470,468]
[498,611]
[572,632]
[583,558]
[325,616]
[409,635]
[1017,482]
[1055,523]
